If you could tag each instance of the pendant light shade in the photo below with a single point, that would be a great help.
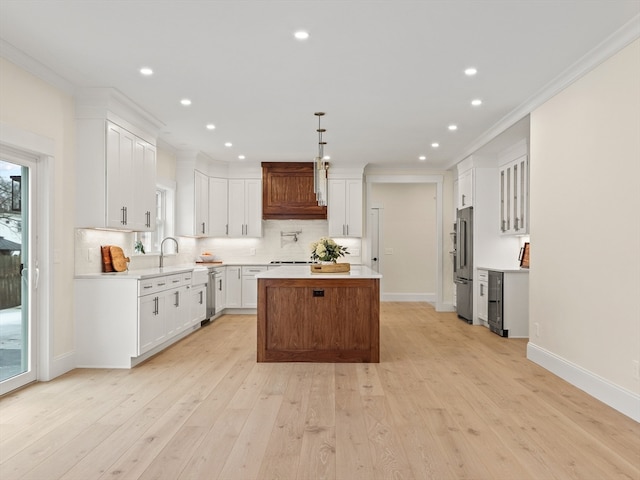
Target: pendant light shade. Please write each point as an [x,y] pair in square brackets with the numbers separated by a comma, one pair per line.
[321,166]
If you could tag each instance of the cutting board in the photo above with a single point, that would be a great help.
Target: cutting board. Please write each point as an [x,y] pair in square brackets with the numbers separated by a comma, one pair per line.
[118,260]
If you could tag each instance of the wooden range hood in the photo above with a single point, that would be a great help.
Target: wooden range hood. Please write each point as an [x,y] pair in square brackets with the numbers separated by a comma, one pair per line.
[287,192]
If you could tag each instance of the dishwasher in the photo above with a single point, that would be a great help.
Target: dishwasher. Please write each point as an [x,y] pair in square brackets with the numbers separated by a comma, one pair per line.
[215,279]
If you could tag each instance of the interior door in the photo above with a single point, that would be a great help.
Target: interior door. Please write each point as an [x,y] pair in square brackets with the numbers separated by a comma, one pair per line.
[18,271]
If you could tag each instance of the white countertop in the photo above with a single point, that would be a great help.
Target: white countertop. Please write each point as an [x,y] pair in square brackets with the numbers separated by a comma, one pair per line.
[144,272]
[304,271]
[505,270]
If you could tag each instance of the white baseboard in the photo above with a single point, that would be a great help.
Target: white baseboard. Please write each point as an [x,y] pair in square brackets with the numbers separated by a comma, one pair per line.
[447,307]
[408,297]
[60,365]
[622,400]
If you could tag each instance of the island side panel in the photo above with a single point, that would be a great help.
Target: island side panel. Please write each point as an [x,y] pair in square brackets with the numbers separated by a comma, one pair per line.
[318,320]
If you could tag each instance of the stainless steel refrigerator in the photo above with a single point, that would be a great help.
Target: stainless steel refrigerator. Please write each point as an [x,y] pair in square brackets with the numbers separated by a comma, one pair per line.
[463,265]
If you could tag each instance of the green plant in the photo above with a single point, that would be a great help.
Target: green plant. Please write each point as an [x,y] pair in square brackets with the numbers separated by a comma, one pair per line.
[327,250]
[139,247]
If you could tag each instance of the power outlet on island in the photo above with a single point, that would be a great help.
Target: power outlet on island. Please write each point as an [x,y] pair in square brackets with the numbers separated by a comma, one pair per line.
[636,369]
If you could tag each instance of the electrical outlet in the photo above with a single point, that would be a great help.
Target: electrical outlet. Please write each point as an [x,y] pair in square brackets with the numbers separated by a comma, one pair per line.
[90,254]
[252,251]
[537,326]
[636,369]
[355,252]
[388,251]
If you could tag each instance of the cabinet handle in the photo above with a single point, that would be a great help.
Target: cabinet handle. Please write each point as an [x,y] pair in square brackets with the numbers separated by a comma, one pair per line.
[123,221]
[226,229]
[175,281]
[161,284]
[147,287]
[156,306]
[463,198]
[481,290]
[220,284]
[238,274]
[203,227]
[148,219]
[347,229]
[177,304]
[201,297]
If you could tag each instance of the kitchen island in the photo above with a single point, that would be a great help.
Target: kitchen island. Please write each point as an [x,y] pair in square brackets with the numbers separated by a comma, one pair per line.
[318,317]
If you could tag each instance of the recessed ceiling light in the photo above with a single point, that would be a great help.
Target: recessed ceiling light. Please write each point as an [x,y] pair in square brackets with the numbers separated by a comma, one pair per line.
[453,127]
[228,144]
[326,157]
[146,71]
[301,35]
[211,126]
[422,157]
[435,144]
[470,71]
[186,102]
[241,157]
[476,102]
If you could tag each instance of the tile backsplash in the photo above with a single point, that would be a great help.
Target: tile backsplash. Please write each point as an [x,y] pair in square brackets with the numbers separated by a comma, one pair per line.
[274,244]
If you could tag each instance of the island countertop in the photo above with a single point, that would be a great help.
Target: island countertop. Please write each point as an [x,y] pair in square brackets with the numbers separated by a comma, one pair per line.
[304,272]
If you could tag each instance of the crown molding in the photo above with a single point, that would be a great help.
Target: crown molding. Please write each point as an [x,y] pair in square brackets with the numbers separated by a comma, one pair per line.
[618,40]
[34,67]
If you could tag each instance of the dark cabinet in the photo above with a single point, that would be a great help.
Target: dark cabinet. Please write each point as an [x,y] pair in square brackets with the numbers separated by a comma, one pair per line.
[288,192]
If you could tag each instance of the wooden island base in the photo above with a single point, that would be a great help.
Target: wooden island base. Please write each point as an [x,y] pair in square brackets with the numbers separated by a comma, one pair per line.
[318,320]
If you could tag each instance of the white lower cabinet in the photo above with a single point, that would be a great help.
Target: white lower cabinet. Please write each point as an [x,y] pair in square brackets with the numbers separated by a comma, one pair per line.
[234,287]
[121,321]
[250,285]
[483,297]
[220,289]
[198,305]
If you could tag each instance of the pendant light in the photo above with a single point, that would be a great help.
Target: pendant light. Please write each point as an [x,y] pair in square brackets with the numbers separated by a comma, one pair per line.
[320,167]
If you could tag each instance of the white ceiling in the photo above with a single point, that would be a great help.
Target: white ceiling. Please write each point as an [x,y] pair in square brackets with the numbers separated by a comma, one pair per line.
[388,74]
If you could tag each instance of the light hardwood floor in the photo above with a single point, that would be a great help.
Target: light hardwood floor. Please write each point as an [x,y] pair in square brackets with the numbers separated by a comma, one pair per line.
[447,401]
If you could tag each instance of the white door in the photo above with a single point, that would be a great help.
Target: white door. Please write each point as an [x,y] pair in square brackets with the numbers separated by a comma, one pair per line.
[18,270]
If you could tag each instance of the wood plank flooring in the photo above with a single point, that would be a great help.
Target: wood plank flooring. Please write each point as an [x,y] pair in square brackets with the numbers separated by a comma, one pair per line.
[447,401]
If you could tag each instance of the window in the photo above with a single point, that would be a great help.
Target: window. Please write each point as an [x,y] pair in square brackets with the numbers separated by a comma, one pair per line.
[164,220]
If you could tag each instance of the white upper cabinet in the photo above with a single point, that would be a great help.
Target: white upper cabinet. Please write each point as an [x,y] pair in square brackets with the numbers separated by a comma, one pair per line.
[201,204]
[127,165]
[344,208]
[116,162]
[465,189]
[245,207]
[514,196]
[218,207]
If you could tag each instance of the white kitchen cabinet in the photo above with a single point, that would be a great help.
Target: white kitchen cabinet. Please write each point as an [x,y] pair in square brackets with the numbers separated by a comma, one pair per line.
[245,207]
[218,207]
[465,189]
[122,321]
[220,289]
[198,304]
[250,285]
[344,208]
[514,197]
[201,204]
[116,178]
[483,297]
[234,287]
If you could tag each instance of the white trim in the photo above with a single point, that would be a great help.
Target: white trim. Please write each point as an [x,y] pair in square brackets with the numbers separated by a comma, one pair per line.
[606,49]
[439,181]
[42,148]
[612,395]
[33,66]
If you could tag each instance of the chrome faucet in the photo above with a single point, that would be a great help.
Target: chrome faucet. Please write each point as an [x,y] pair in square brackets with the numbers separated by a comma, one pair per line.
[162,249]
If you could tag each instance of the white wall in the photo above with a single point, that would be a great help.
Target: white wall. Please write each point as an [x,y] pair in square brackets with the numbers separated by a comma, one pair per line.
[408,224]
[35,107]
[585,232]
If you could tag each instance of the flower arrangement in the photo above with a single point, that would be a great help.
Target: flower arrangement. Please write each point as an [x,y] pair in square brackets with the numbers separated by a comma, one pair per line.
[326,250]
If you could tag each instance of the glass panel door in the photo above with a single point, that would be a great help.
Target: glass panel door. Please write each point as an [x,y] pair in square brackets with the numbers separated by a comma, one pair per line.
[16,273]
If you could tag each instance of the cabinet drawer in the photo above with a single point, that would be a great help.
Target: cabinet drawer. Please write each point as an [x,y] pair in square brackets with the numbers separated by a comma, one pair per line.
[251,271]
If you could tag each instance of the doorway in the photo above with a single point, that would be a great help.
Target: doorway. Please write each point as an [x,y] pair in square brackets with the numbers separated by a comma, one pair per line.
[438,180]
[18,270]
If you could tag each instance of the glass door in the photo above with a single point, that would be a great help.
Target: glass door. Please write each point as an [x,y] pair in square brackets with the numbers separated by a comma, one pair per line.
[18,272]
